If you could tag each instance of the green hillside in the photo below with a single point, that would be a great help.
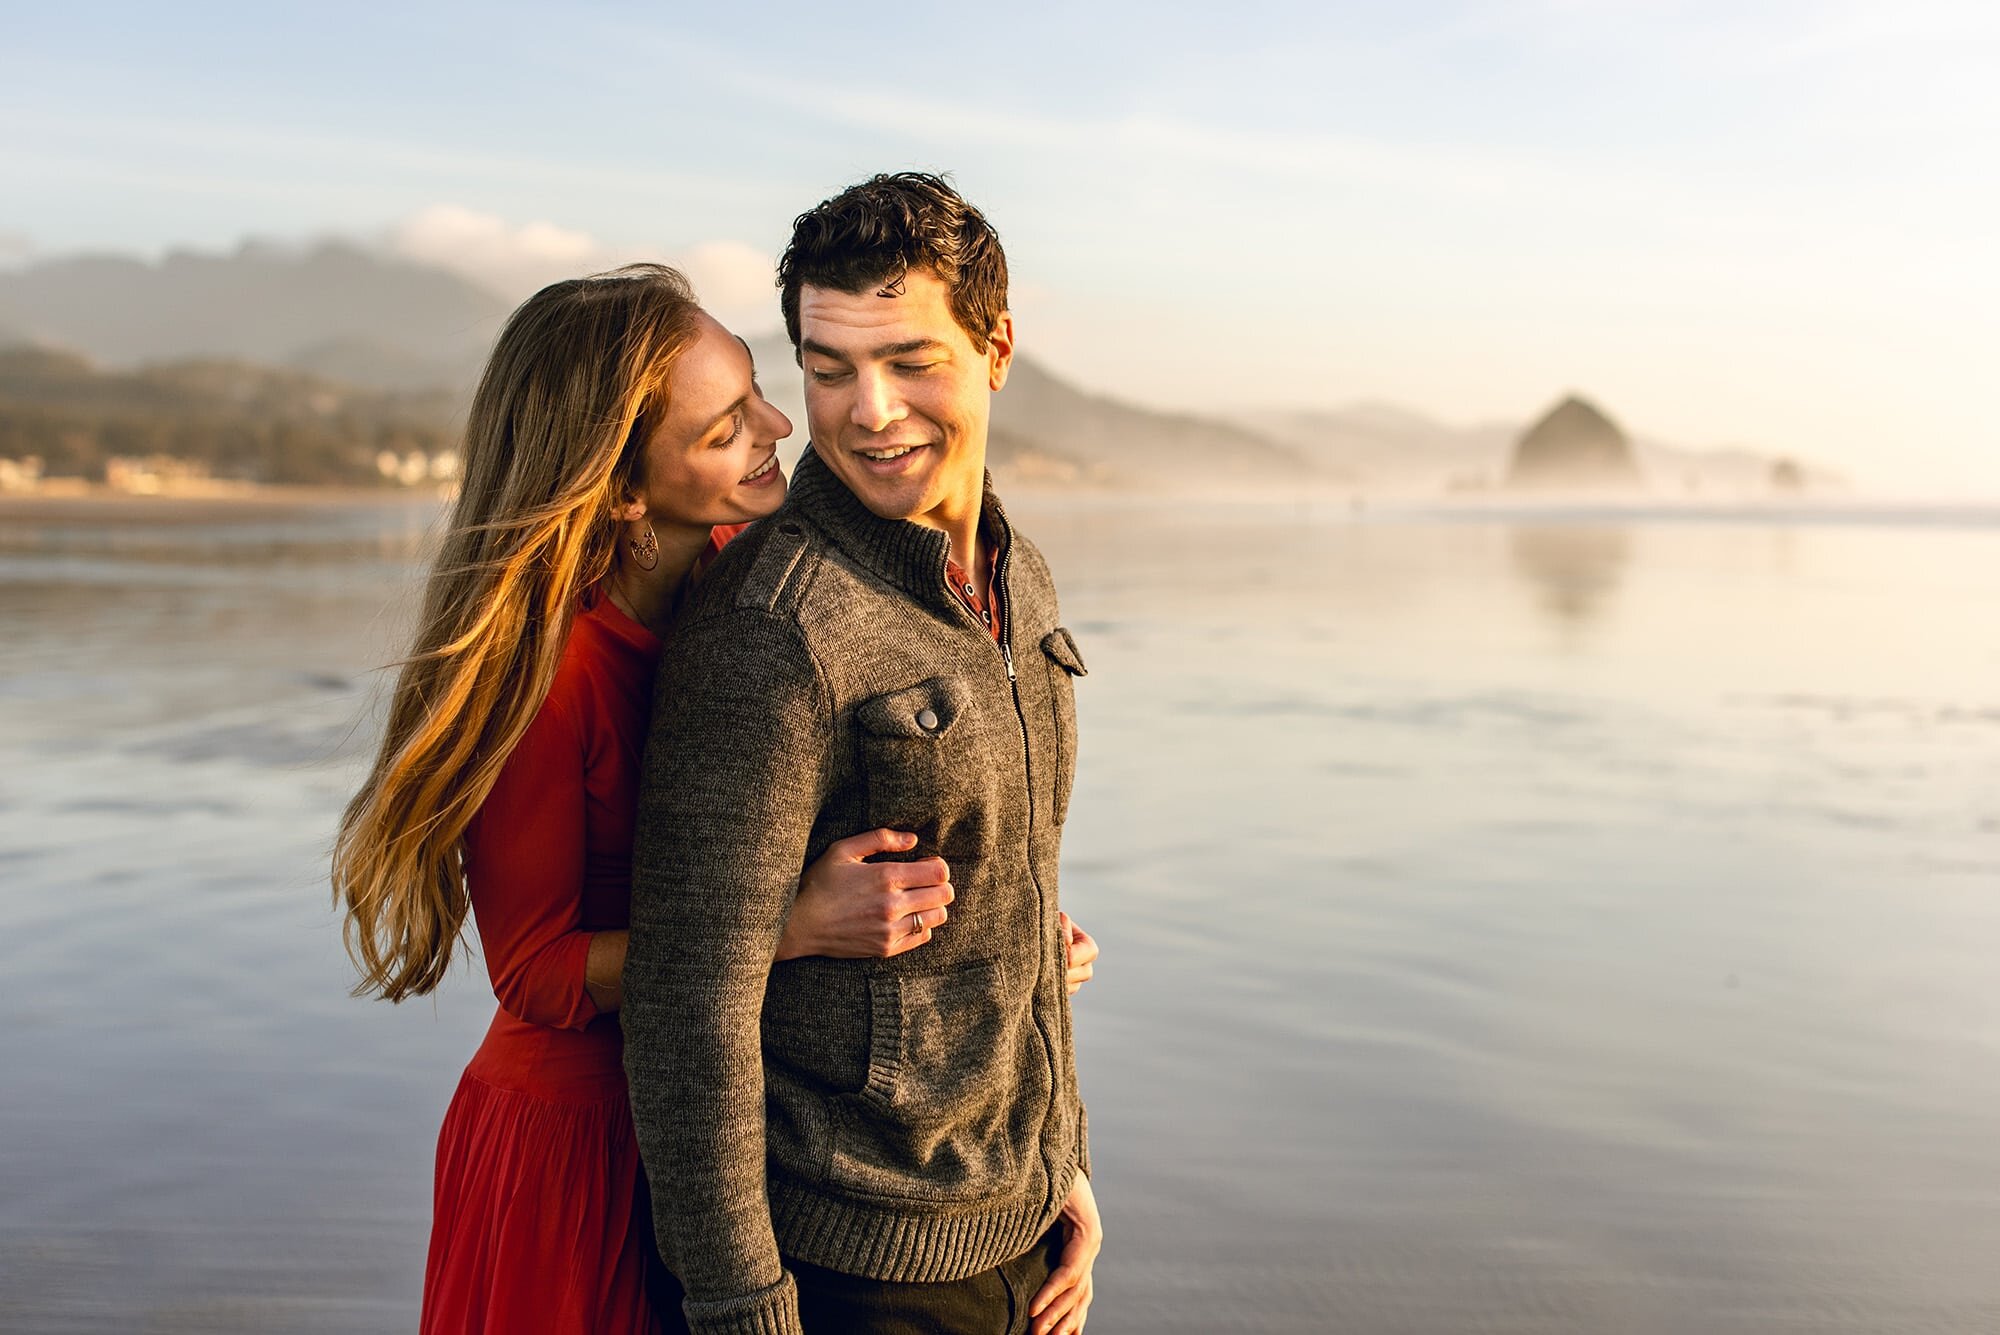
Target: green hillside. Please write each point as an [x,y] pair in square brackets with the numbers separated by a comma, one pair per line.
[237,420]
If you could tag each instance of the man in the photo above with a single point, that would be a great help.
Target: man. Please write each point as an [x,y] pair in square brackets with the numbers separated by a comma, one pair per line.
[891,1144]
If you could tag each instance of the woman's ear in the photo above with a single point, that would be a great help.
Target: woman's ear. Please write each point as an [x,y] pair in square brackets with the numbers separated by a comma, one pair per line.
[628,508]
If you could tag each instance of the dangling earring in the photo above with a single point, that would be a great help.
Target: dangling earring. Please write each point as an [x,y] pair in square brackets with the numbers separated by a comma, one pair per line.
[646,550]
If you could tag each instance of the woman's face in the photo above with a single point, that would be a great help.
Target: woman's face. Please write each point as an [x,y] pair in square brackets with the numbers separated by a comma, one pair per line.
[713,459]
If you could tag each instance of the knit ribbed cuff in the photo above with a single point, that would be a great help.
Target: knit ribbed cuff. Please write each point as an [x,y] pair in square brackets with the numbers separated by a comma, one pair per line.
[768,1311]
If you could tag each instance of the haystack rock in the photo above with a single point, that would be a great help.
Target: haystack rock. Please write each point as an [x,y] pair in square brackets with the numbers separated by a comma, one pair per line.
[1574,446]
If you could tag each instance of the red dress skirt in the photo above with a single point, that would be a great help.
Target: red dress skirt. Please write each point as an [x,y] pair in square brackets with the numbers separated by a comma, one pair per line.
[542,1222]
[541,1216]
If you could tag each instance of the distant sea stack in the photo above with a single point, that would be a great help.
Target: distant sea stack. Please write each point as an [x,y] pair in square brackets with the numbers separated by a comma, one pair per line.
[1574,447]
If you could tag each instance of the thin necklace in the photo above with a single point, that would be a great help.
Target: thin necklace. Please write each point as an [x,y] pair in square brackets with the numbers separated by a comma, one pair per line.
[624,604]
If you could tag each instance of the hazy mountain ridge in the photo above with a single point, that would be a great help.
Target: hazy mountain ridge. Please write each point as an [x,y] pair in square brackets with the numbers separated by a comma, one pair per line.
[1045,429]
[348,315]
[1379,444]
[332,308]
[361,323]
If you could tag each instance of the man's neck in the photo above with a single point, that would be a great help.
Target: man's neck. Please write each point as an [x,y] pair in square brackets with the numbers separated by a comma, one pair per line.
[959,521]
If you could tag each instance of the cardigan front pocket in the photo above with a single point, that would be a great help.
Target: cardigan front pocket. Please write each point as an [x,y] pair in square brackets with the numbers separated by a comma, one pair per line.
[942,1117]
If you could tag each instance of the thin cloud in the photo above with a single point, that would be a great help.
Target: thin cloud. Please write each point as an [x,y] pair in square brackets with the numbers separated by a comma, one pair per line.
[1476,172]
[512,260]
[735,281]
[297,147]
[733,278]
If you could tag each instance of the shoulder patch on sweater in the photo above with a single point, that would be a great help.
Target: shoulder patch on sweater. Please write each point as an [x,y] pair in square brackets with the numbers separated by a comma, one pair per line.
[777,567]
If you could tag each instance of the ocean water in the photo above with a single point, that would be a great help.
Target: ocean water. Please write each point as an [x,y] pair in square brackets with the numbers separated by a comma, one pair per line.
[1513,921]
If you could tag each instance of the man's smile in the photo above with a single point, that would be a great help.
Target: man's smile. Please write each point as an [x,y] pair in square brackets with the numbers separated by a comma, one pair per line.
[892,461]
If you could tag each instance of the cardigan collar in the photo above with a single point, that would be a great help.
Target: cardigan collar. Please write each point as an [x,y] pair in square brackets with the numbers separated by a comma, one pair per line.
[911,556]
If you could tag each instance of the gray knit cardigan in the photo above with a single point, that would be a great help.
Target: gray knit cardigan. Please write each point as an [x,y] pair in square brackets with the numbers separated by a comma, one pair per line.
[913,1118]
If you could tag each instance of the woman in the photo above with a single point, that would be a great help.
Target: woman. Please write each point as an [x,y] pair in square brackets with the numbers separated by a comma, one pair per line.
[616,441]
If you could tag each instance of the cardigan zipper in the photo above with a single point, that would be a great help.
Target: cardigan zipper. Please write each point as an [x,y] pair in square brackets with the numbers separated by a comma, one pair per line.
[1007,626]
[1006,602]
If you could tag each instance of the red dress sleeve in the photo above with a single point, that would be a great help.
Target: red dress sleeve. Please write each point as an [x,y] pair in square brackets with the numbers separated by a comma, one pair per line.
[524,864]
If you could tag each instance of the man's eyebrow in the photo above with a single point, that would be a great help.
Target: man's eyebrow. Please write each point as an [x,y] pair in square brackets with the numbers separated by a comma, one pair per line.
[887,350]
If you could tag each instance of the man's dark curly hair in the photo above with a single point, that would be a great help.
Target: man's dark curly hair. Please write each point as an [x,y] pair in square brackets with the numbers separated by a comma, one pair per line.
[867,237]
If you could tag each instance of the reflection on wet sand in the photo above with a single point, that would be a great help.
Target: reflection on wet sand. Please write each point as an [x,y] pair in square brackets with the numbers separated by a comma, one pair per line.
[1573,569]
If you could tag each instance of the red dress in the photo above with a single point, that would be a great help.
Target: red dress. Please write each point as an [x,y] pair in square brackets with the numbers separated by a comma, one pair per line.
[541,1221]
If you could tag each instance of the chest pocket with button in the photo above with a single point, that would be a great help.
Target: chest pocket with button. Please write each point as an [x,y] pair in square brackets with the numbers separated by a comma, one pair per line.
[1065,664]
[923,766]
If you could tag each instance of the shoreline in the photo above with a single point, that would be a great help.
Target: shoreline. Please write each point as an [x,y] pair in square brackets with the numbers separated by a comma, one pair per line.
[198,501]
[194,504]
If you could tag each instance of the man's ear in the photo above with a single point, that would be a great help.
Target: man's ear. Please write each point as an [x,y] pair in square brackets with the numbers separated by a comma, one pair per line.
[1000,351]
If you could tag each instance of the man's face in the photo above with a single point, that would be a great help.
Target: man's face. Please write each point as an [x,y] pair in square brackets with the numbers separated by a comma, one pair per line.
[898,398]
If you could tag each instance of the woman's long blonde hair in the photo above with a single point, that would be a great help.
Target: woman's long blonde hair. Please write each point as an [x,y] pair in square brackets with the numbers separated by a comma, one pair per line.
[575,385]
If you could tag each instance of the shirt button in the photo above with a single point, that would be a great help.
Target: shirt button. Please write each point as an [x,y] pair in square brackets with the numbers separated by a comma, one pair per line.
[987,617]
[928,720]
[971,592]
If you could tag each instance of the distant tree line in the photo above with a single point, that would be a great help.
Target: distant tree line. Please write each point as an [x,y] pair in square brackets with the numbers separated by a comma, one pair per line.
[236,419]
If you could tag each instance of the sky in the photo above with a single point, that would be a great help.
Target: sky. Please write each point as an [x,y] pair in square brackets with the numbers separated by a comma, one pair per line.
[1761,223]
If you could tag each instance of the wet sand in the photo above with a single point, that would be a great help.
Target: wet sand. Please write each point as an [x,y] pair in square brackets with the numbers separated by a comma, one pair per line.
[1511,923]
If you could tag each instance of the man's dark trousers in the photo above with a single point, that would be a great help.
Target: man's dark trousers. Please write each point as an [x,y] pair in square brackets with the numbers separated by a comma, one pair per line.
[993,1302]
